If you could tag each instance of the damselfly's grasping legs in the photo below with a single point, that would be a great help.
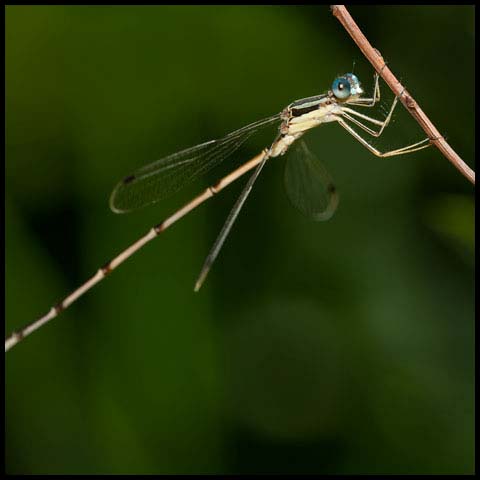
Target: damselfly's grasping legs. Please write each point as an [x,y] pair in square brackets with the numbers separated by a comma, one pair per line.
[349,113]
[102,272]
[399,151]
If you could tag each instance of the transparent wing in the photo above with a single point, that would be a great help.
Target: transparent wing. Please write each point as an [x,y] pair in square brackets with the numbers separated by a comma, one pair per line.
[227,226]
[308,184]
[164,177]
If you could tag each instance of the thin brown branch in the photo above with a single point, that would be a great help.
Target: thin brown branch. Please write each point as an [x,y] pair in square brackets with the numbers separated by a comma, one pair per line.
[153,233]
[376,59]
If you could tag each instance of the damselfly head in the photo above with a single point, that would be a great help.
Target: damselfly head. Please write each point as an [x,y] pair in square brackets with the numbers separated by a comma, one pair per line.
[346,86]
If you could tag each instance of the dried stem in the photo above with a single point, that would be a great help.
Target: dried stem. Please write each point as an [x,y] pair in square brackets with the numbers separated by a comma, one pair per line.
[376,59]
[153,233]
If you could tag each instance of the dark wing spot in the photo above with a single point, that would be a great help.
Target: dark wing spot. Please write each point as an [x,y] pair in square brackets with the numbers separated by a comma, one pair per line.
[331,188]
[129,179]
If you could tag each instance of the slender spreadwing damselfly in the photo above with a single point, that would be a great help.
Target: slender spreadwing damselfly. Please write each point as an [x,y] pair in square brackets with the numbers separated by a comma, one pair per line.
[307,183]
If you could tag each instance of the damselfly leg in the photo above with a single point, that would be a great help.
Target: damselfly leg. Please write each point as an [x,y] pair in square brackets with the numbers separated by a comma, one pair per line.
[349,114]
[399,151]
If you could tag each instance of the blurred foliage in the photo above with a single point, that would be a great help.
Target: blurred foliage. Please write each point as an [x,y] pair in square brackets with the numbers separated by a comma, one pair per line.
[337,347]
[452,216]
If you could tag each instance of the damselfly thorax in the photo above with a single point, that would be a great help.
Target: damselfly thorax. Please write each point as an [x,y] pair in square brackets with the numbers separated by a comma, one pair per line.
[307,113]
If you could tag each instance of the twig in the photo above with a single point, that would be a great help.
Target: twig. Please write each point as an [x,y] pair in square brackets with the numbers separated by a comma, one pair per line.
[376,59]
[153,233]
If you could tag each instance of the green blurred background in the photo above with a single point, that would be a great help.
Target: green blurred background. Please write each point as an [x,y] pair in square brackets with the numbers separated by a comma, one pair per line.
[337,347]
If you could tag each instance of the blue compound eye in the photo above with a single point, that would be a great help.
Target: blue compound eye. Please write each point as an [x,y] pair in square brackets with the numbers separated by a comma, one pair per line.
[354,79]
[341,88]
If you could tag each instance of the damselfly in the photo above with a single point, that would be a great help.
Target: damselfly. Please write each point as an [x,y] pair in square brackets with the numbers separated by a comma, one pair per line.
[307,183]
